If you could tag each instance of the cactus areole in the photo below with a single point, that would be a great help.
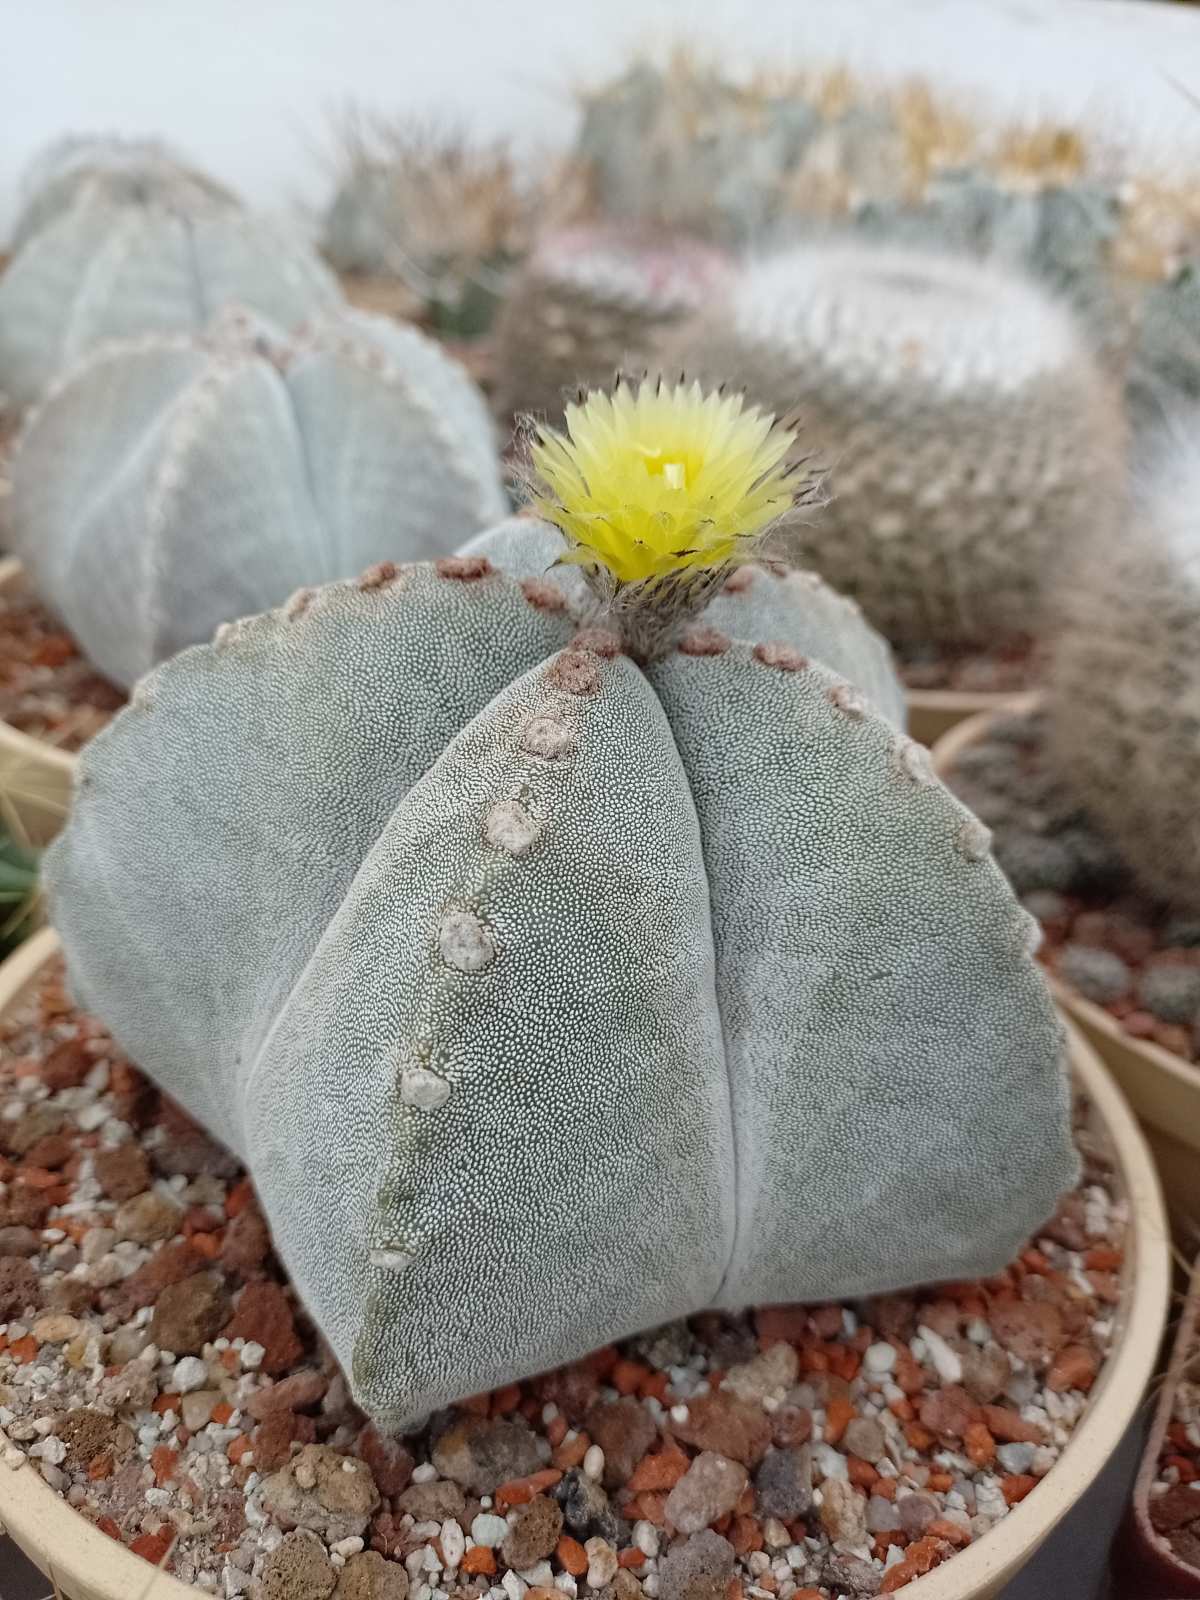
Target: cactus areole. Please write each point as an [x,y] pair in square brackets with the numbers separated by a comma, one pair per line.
[550,991]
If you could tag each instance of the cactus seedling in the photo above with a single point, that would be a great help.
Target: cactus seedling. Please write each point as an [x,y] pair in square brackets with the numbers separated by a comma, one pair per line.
[602,985]
[970,437]
[107,268]
[173,483]
[590,300]
[1124,711]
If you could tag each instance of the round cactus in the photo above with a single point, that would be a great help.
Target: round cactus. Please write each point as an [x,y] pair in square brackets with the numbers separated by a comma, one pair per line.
[173,483]
[536,964]
[115,171]
[590,300]
[970,438]
[105,268]
[1124,713]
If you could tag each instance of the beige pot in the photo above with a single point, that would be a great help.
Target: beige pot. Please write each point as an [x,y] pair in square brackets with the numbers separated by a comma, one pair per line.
[87,1565]
[932,713]
[35,778]
[1163,1089]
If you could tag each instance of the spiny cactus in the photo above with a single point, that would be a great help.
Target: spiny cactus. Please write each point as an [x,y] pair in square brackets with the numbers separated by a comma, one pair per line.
[174,483]
[444,218]
[601,984]
[105,268]
[1124,713]
[970,438]
[113,170]
[590,300]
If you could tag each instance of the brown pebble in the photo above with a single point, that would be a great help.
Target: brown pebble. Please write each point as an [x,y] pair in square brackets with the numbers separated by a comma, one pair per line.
[433,1501]
[247,1243]
[123,1172]
[18,1287]
[1030,1330]
[297,1392]
[52,1152]
[299,1569]
[1174,1509]
[709,1489]
[264,1315]
[186,1149]
[72,1295]
[24,1207]
[624,1430]
[369,1577]
[187,1315]
[986,1371]
[791,1425]
[1074,1367]
[19,1241]
[390,1460]
[67,1065]
[729,1426]
[533,1533]
[147,1218]
[88,1433]
[274,1437]
[948,1411]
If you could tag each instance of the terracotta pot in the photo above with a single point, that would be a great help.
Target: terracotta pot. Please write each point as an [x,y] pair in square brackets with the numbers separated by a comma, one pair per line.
[89,1566]
[1163,1089]
[35,778]
[1142,1560]
[932,713]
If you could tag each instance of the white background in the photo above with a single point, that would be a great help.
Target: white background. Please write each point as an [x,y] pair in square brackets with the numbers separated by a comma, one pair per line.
[248,87]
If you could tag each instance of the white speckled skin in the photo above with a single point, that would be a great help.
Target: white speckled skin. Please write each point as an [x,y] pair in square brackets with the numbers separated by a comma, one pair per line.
[1124,700]
[172,484]
[105,269]
[970,439]
[549,996]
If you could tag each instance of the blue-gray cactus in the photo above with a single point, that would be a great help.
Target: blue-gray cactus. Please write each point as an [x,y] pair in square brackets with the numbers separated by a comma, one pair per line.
[1123,727]
[970,437]
[108,267]
[113,170]
[174,483]
[603,985]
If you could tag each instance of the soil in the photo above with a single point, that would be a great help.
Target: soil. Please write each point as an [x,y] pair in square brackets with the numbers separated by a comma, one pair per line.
[1101,936]
[158,1372]
[47,688]
[1013,670]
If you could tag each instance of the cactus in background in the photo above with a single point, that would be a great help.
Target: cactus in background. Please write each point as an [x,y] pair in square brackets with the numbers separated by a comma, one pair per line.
[18,892]
[1124,704]
[172,484]
[105,268]
[113,171]
[445,220]
[547,966]
[592,299]
[971,440]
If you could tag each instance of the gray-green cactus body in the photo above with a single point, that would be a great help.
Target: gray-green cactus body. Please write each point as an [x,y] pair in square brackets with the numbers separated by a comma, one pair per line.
[604,991]
[113,170]
[591,300]
[1124,708]
[105,269]
[174,483]
[970,438]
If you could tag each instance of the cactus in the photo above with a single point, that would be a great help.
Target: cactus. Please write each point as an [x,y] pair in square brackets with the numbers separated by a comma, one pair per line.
[602,984]
[445,219]
[1124,712]
[173,483]
[590,300]
[105,268]
[970,437]
[116,172]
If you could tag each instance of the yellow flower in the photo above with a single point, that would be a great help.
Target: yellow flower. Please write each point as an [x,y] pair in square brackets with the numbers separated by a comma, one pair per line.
[660,478]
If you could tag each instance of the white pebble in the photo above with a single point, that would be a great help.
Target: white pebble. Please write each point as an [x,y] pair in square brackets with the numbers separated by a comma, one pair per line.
[679,1414]
[426,1472]
[946,1362]
[879,1358]
[513,1586]
[454,1543]
[602,1562]
[347,1547]
[566,1583]
[645,1538]
[91,1118]
[52,1450]
[593,1466]
[190,1374]
[775,1535]
[830,1463]
[486,1530]
[253,1355]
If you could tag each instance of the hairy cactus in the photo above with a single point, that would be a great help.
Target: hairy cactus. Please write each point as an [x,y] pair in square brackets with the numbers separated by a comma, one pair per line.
[174,483]
[1124,713]
[114,171]
[602,984]
[590,300]
[443,218]
[970,437]
[108,268]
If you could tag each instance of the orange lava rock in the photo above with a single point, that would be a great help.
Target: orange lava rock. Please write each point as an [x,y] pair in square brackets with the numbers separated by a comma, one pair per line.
[1074,1367]
[154,1547]
[506,1400]
[940,1482]
[782,1324]
[745,1535]
[166,1402]
[100,1467]
[628,1376]
[918,1437]
[661,1471]
[572,1557]
[1016,1486]
[887,1488]
[23,1350]
[222,1413]
[519,1491]
[240,1446]
[838,1414]
[631,1557]
[979,1444]
[108,1526]
[163,1461]
[943,1528]
[861,1473]
[1010,1427]
[479,1560]
[239,1197]
[648,1507]
[571,1452]
[1103,1258]
[657,1386]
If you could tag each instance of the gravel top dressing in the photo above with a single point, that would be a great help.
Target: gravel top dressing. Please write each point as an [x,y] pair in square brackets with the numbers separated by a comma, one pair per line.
[969,671]
[47,689]
[1110,943]
[1175,1492]
[156,1370]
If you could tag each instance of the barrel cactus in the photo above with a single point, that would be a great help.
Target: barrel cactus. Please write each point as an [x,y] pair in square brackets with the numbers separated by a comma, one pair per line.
[116,171]
[539,934]
[1124,705]
[443,219]
[970,436]
[175,482]
[107,266]
[591,299]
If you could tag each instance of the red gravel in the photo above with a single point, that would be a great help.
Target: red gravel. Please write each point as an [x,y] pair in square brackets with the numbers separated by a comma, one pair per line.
[970,670]
[47,689]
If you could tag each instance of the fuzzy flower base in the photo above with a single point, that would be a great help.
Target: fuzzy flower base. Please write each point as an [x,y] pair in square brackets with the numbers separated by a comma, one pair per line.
[157,1371]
